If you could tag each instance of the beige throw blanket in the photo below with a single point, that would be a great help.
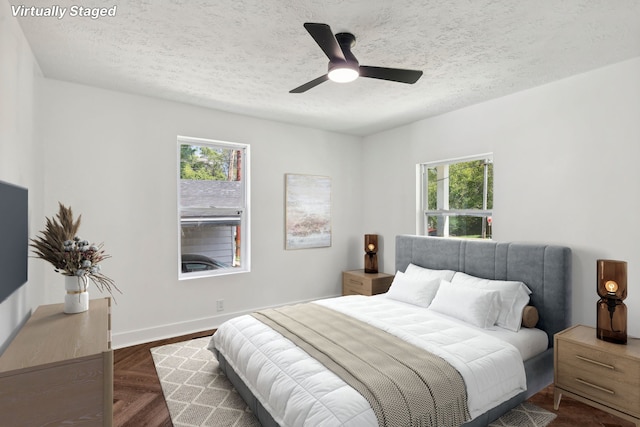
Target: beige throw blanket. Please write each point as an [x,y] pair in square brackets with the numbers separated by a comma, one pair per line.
[405,385]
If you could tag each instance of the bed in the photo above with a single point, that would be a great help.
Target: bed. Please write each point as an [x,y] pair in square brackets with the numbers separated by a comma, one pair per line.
[273,374]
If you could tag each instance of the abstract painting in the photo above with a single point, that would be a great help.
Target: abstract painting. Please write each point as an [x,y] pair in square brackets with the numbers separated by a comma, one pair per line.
[307,211]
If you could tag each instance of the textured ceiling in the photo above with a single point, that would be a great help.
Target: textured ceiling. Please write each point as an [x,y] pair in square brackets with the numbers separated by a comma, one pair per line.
[244,56]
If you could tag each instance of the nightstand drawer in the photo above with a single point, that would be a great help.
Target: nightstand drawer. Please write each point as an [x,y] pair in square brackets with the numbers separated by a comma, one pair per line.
[356,284]
[351,289]
[354,280]
[598,362]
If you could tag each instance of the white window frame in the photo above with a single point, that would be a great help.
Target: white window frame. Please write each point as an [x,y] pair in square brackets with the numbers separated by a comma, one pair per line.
[422,211]
[222,214]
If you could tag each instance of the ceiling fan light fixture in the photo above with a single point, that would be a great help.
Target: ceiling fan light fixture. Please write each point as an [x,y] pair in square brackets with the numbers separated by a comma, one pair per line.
[343,74]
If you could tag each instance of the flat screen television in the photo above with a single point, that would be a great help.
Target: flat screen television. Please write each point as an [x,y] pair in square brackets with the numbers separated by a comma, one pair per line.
[14,238]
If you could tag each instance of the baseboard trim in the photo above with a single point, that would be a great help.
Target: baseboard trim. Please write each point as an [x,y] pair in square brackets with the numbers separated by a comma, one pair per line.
[170,330]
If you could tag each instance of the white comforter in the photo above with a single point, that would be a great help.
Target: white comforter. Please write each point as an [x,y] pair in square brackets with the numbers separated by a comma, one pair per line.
[297,390]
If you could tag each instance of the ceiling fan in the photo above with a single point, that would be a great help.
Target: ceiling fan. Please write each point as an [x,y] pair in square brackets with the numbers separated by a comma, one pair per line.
[343,65]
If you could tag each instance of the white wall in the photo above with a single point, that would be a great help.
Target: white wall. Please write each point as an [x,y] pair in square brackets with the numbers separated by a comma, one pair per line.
[20,154]
[112,157]
[566,172]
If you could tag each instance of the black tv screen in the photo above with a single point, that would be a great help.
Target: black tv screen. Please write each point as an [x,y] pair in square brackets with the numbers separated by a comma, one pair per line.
[14,238]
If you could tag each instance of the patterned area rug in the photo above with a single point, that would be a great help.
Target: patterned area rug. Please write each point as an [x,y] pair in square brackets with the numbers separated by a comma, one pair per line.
[525,415]
[198,394]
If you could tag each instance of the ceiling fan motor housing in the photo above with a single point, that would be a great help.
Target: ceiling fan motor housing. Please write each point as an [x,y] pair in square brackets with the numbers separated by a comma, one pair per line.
[348,70]
[346,42]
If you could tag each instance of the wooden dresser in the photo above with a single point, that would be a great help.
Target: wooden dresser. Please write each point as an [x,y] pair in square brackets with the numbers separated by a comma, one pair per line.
[59,369]
[598,373]
[357,282]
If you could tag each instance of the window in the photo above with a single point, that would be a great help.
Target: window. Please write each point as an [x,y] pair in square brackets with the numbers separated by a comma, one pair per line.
[456,197]
[213,207]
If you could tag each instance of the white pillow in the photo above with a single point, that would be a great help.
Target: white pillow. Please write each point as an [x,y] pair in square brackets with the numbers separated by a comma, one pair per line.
[514,297]
[472,305]
[413,291]
[423,273]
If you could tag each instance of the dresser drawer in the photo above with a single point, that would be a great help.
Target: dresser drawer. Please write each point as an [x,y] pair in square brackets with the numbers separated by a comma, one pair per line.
[600,376]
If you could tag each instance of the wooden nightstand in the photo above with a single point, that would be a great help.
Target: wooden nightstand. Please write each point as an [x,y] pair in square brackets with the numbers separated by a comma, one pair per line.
[357,282]
[599,373]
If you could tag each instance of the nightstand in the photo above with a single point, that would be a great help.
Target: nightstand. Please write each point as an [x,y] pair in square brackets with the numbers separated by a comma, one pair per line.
[357,282]
[599,373]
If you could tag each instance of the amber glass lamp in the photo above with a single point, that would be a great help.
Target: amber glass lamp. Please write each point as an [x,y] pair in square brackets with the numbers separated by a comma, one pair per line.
[371,253]
[612,313]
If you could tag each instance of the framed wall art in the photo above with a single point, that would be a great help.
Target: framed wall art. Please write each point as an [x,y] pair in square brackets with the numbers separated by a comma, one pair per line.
[307,211]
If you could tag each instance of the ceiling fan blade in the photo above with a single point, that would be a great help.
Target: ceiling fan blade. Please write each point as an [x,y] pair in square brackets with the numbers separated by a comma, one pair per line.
[323,35]
[310,85]
[393,74]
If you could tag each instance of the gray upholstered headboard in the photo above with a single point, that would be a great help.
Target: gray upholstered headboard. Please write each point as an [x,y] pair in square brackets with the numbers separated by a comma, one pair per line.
[545,269]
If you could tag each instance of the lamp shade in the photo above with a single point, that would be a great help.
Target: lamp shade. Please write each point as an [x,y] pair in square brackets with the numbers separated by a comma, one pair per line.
[371,243]
[612,279]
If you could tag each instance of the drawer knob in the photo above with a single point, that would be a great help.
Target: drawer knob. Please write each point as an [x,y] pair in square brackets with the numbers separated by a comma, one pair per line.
[597,387]
[595,362]
[355,282]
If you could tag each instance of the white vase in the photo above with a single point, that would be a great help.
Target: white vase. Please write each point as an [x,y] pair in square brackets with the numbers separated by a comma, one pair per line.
[76,300]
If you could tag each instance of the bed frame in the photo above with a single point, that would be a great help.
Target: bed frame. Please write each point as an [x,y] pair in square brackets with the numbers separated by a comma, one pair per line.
[546,269]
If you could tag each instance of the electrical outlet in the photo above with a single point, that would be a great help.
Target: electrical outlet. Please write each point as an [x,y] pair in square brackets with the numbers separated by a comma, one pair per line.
[220,305]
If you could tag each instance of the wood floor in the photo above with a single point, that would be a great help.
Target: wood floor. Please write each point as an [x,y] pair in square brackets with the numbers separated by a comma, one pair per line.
[137,396]
[138,399]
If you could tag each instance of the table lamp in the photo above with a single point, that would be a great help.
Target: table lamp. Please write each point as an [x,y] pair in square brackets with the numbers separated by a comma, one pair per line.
[371,257]
[612,313]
